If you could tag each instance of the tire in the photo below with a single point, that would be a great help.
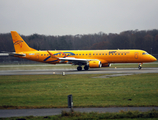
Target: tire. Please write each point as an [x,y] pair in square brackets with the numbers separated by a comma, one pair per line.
[79,68]
[139,67]
[86,67]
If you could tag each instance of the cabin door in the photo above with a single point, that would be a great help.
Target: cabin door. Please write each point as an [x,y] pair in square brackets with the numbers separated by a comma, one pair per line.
[136,55]
[37,56]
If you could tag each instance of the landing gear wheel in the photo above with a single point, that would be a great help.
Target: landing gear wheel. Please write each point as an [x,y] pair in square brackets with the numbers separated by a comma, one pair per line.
[140,67]
[86,67]
[79,68]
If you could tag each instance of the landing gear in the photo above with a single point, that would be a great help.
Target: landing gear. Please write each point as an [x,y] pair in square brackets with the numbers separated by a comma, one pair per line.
[79,68]
[140,66]
[86,67]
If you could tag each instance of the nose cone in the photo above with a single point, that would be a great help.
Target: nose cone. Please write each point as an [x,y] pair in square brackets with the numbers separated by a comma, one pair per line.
[152,58]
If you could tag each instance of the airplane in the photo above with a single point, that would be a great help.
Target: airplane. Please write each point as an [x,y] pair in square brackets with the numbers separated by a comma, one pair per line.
[86,58]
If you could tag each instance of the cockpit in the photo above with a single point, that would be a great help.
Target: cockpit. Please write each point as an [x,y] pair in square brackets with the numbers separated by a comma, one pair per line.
[145,53]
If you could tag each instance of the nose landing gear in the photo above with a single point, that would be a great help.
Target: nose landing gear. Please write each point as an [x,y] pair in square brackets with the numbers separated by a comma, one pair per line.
[140,66]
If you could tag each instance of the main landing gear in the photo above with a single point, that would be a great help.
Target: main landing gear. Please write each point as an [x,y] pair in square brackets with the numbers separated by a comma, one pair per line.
[79,68]
[140,66]
[86,67]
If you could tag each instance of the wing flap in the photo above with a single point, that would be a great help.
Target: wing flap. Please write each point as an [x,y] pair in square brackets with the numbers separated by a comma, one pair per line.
[73,59]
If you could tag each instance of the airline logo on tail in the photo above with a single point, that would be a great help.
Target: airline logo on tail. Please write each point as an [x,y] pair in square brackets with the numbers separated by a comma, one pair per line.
[18,42]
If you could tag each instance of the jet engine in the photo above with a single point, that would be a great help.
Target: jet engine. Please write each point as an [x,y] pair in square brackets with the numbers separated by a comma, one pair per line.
[95,64]
[106,65]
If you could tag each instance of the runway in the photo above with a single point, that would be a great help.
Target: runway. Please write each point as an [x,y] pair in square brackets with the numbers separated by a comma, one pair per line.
[74,71]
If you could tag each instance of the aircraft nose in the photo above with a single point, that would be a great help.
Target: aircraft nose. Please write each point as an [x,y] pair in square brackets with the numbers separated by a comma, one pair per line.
[153,58]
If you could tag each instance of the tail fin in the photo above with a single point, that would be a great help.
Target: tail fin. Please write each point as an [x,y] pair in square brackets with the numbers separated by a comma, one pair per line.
[19,44]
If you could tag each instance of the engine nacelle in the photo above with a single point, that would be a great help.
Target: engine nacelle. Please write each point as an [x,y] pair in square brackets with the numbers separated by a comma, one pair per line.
[106,65]
[95,64]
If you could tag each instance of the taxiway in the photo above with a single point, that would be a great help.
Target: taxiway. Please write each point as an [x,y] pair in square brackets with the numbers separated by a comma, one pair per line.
[57,111]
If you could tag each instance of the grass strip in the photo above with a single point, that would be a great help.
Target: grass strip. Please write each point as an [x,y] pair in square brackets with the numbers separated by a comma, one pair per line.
[51,91]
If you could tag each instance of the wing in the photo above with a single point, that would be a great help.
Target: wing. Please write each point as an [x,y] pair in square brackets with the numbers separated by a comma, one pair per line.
[70,60]
[74,61]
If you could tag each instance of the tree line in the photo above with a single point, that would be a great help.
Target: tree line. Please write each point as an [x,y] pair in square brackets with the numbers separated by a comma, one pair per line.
[132,39]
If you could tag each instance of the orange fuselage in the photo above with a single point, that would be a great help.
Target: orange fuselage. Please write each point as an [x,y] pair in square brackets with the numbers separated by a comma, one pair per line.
[105,56]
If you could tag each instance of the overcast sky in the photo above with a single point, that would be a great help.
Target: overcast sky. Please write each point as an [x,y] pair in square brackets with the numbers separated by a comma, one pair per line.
[71,17]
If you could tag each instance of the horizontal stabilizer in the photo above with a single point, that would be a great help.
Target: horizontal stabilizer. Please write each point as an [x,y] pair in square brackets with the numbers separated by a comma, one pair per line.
[4,54]
[11,54]
[16,54]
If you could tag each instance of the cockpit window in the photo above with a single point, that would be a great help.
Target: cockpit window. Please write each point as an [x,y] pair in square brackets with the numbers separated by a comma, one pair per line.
[145,53]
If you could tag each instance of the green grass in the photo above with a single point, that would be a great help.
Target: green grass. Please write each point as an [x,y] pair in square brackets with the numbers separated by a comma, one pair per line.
[46,91]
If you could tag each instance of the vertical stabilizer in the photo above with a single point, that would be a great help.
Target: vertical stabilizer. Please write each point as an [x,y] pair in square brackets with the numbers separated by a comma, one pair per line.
[19,44]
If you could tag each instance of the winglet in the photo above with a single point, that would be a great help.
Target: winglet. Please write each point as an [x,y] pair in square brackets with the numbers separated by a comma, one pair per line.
[63,54]
[52,55]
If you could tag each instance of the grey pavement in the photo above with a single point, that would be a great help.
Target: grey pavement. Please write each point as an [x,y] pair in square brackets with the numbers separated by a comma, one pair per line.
[57,111]
[73,71]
